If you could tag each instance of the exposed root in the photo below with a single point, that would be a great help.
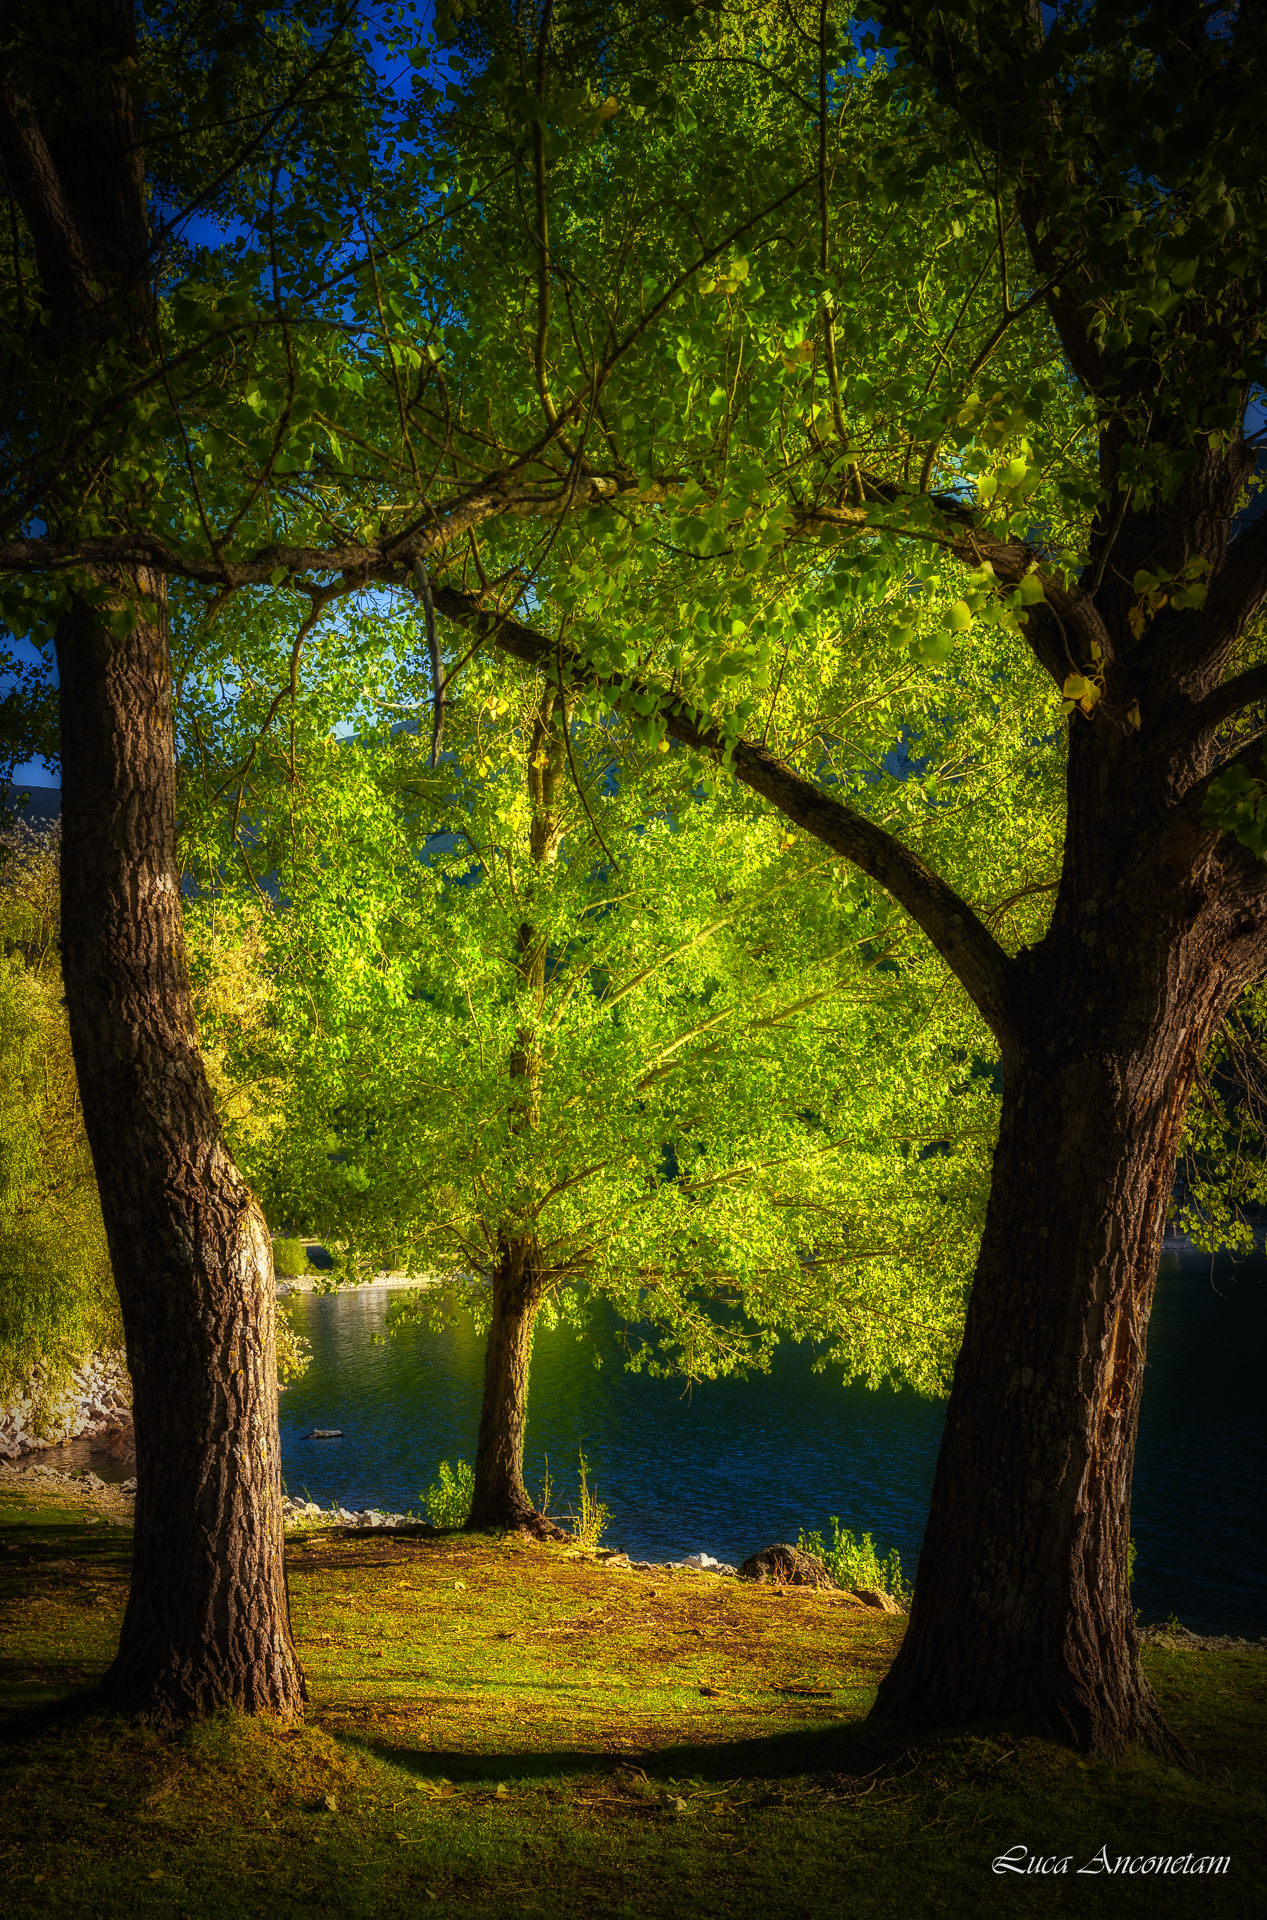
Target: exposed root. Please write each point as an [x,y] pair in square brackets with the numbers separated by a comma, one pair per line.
[517,1519]
[542,1529]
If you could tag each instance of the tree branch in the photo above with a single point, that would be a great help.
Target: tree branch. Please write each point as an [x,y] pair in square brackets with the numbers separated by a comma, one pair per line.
[1237,592]
[1198,726]
[389,559]
[65,262]
[1066,622]
[960,937]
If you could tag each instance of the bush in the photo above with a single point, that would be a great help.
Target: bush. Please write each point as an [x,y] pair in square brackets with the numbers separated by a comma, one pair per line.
[448,1498]
[293,1352]
[854,1563]
[57,1295]
[290,1259]
[589,1520]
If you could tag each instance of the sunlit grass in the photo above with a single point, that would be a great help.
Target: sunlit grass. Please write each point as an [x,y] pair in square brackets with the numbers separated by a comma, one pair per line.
[497,1728]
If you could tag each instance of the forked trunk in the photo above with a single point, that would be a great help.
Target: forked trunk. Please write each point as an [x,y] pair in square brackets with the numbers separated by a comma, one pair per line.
[501,1499]
[1022,1608]
[207,1623]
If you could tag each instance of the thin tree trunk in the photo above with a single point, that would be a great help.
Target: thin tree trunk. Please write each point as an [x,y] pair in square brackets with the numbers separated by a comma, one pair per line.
[208,1620]
[501,1499]
[519,1284]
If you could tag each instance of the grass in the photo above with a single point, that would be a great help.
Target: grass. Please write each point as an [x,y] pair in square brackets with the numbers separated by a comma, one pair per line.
[502,1729]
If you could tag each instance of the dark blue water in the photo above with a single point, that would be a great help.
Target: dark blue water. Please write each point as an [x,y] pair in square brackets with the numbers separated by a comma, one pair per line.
[737,1464]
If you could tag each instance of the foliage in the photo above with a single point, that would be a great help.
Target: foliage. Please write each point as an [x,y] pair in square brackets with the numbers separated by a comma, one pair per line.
[244,370]
[1224,1146]
[234,1000]
[30,896]
[589,1517]
[294,1350]
[854,1564]
[57,1296]
[290,1257]
[448,1498]
[755,1108]
[771,358]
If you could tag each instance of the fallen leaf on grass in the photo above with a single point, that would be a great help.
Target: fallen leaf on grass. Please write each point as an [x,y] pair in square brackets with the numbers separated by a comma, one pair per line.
[502,1793]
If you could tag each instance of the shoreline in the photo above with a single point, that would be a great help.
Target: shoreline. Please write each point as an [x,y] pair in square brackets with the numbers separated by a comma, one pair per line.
[115,1505]
[318,1283]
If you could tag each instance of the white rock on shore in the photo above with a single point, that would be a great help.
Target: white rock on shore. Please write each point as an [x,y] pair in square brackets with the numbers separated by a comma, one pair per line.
[299,1513]
[96,1402]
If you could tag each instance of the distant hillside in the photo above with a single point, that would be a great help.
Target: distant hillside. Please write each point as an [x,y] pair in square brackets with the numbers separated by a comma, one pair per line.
[43,804]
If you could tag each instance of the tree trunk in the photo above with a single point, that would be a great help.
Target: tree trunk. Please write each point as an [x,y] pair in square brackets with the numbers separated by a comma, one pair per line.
[501,1499]
[519,1284]
[1022,1607]
[208,1619]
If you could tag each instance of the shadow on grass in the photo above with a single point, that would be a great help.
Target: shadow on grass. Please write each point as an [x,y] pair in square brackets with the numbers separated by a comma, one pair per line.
[850,1753]
[72,1708]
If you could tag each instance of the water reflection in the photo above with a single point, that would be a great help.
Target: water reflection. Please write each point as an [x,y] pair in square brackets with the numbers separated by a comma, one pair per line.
[737,1464]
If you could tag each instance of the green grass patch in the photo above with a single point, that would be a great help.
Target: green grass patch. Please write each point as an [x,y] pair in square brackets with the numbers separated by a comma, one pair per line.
[501,1729]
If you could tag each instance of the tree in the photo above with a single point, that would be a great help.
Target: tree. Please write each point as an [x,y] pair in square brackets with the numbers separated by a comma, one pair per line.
[554,1018]
[105,346]
[1142,252]
[1052,410]
[1153,269]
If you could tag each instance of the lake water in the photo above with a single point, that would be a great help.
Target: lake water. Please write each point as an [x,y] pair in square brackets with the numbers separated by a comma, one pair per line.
[737,1464]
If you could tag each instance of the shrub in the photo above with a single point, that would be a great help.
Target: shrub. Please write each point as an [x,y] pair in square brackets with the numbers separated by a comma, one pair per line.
[57,1296]
[855,1563]
[290,1258]
[590,1517]
[293,1351]
[448,1498]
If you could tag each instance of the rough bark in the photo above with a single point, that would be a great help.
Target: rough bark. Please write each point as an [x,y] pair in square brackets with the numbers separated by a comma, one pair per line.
[207,1622]
[501,1499]
[1022,1609]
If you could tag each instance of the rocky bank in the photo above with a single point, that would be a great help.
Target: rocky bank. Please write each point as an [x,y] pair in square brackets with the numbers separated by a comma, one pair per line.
[95,1405]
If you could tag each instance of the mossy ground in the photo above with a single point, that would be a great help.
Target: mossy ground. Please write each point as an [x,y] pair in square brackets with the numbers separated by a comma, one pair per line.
[499,1729]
